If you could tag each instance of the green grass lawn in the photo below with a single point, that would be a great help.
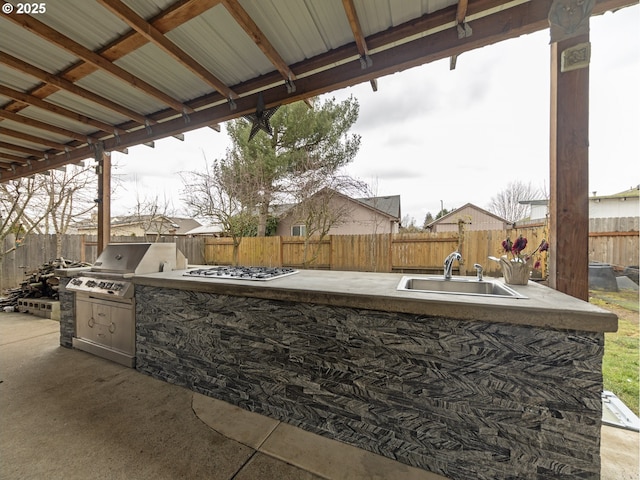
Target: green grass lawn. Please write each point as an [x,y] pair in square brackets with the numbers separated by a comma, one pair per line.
[621,361]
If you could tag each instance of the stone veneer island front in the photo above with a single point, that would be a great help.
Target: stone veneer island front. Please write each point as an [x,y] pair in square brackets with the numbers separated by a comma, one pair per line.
[467,387]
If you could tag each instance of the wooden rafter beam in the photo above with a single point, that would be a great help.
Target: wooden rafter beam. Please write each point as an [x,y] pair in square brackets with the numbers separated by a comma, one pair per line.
[7,132]
[58,110]
[152,34]
[358,35]
[66,85]
[356,29]
[53,36]
[461,11]
[243,19]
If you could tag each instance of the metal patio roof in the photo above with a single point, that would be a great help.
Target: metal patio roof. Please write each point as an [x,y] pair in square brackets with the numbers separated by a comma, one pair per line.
[76,75]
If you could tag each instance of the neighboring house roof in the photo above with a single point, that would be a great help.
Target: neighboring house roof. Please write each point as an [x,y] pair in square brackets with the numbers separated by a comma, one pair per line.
[185,224]
[389,205]
[178,223]
[632,192]
[451,215]
[205,230]
[540,201]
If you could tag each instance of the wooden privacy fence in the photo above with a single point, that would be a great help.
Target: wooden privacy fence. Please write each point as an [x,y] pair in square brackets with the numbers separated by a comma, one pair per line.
[414,252]
[614,241]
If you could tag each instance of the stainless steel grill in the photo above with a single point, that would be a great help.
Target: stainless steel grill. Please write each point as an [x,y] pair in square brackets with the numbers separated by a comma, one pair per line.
[104,297]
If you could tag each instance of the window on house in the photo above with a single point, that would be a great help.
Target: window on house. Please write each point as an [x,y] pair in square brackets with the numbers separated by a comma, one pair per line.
[298,231]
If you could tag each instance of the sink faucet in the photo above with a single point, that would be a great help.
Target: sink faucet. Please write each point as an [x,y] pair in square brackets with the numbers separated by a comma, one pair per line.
[479,270]
[448,263]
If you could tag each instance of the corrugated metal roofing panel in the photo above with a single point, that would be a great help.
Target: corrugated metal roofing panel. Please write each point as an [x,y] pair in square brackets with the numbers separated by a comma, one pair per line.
[152,65]
[374,15]
[379,15]
[87,23]
[36,132]
[85,107]
[149,8]
[56,120]
[120,92]
[435,5]
[12,78]
[292,29]
[33,49]
[333,24]
[23,143]
[216,41]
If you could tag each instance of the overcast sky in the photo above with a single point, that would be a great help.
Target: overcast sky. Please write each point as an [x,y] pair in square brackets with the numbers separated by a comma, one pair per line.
[435,135]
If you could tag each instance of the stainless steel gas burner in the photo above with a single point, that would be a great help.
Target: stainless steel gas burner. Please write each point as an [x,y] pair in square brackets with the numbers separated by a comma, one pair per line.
[241,273]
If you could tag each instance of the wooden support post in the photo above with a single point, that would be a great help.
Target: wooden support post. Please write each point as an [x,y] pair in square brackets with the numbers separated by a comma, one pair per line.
[569,161]
[104,197]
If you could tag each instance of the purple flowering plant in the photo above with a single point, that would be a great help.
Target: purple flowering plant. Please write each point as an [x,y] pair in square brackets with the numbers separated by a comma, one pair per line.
[516,250]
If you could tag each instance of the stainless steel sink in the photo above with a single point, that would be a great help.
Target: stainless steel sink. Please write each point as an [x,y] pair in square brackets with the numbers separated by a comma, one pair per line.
[458,286]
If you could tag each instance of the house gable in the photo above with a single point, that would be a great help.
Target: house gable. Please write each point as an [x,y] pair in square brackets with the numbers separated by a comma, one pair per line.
[473,218]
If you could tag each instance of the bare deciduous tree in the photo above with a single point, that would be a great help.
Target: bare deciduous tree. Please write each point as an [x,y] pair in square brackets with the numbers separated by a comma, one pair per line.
[506,203]
[69,194]
[408,225]
[19,213]
[153,215]
[222,199]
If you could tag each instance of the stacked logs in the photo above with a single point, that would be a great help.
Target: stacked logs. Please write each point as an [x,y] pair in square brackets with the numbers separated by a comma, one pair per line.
[42,282]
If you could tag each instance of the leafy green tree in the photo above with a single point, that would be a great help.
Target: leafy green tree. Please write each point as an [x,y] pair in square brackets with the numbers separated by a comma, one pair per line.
[307,146]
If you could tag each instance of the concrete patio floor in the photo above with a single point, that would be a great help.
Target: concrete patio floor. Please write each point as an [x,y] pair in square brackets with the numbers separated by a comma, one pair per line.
[67,414]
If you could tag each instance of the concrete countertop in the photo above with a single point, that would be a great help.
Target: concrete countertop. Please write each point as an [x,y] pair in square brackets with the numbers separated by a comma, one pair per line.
[544,307]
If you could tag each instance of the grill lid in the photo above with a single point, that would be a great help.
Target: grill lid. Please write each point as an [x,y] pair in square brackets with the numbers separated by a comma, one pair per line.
[136,258]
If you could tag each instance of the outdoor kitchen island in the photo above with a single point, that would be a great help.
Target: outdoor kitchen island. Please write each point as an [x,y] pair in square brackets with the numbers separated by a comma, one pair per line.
[464,386]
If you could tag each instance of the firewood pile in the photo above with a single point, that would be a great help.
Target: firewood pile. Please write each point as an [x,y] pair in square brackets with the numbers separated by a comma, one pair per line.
[42,282]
